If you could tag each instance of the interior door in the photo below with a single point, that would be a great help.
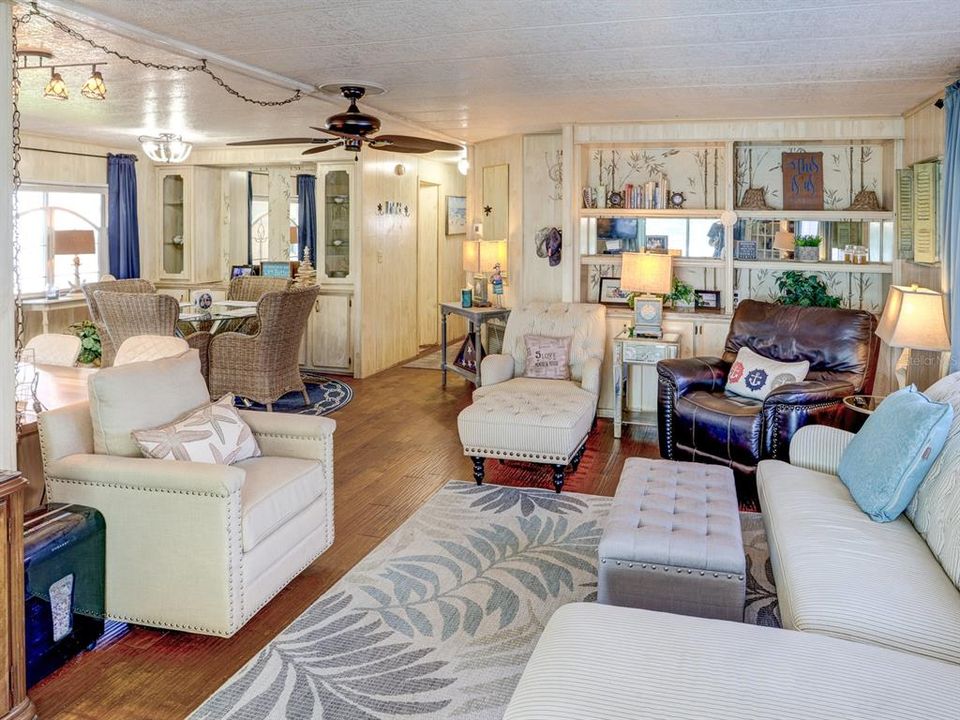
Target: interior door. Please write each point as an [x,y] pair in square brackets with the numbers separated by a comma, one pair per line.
[428,224]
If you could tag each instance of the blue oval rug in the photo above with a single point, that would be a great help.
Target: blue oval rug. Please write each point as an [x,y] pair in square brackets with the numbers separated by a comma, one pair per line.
[326,395]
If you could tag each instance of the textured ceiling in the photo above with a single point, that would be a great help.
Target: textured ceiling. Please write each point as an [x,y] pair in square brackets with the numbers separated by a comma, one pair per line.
[479,69]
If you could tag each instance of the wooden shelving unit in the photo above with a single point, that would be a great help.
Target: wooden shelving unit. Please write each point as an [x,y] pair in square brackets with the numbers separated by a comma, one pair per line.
[640,213]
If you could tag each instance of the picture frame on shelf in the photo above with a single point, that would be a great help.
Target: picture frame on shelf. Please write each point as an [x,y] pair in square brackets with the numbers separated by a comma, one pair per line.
[656,244]
[282,269]
[456,215]
[610,292]
[747,250]
[242,271]
[706,300]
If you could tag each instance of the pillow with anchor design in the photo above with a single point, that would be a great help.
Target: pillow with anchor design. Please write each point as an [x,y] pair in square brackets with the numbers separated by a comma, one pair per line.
[755,376]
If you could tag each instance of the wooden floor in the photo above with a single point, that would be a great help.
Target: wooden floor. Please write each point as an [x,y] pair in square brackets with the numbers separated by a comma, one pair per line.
[396,444]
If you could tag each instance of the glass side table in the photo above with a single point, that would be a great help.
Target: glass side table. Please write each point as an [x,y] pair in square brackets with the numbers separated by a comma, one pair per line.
[865,404]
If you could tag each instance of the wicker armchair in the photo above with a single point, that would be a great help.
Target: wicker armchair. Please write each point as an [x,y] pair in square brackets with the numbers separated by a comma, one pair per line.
[264,367]
[253,287]
[127,315]
[134,285]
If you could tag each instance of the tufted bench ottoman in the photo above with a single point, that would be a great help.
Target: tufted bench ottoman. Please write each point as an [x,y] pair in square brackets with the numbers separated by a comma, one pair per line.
[672,541]
[517,420]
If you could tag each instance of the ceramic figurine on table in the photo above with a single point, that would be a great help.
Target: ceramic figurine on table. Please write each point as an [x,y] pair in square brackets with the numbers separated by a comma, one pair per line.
[497,281]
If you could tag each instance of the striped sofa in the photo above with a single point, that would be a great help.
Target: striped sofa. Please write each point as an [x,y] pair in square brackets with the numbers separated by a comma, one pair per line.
[877,603]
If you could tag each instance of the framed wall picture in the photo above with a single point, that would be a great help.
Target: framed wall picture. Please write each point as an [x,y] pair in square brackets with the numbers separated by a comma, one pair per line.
[656,244]
[456,215]
[241,271]
[706,299]
[610,292]
[802,180]
[746,250]
[276,269]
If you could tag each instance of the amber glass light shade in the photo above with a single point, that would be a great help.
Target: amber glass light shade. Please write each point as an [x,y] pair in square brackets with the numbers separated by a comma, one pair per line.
[94,88]
[56,88]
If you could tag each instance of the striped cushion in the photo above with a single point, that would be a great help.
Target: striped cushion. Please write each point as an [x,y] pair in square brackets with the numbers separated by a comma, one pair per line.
[840,573]
[609,663]
[935,510]
[819,447]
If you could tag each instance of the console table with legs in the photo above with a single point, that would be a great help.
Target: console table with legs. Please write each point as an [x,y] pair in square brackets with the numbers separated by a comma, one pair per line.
[476,317]
[627,352]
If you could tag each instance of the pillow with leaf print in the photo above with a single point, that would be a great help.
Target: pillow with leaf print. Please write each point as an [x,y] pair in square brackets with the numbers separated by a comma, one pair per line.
[755,376]
[213,433]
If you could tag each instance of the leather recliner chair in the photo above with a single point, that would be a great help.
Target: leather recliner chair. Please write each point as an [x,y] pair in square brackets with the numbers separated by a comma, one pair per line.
[699,421]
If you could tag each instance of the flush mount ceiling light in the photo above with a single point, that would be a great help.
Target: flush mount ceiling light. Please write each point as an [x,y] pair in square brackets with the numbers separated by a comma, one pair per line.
[94,88]
[463,165]
[166,148]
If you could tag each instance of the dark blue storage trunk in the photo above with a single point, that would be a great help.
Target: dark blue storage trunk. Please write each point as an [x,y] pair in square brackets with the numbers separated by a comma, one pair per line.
[63,559]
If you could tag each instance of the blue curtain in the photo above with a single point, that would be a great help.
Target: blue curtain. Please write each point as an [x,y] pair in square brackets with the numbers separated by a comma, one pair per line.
[950,216]
[307,216]
[123,232]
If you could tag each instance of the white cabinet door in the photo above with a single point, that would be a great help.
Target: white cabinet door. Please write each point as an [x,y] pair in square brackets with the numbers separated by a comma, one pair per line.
[328,334]
[685,328]
[711,337]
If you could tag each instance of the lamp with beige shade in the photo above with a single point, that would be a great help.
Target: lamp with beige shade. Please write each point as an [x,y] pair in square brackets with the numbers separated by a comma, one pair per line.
[784,241]
[76,243]
[650,275]
[913,319]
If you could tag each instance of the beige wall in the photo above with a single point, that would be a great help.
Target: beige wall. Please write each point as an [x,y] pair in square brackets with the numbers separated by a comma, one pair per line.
[542,207]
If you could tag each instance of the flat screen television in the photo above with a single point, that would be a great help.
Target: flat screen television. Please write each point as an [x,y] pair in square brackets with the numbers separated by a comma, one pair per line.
[619,234]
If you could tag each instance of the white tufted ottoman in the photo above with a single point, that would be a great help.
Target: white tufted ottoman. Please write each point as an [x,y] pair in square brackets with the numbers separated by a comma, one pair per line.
[672,541]
[517,420]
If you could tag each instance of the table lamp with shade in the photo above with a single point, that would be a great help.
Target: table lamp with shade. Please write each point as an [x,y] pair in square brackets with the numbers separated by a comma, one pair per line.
[648,276]
[76,243]
[471,264]
[784,241]
[913,319]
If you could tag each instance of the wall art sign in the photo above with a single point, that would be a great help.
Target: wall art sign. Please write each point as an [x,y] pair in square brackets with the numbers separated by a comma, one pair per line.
[802,180]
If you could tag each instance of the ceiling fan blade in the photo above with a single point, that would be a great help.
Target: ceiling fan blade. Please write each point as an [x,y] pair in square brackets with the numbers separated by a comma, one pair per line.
[399,149]
[334,133]
[282,141]
[424,144]
[320,149]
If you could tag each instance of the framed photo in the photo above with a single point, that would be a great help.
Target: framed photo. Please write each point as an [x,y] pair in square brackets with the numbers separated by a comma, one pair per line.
[746,250]
[706,299]
[610,292]
[655,244]
[276,269]
[241,271]
[456,215]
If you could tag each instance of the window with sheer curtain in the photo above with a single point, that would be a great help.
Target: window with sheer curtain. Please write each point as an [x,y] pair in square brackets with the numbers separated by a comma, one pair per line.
[45,210]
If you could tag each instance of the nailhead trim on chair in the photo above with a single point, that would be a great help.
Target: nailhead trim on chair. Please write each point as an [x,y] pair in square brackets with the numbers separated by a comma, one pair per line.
[782,408]
[124,486]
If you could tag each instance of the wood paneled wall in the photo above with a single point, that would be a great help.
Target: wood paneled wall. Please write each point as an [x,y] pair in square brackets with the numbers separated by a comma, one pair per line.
[543,204]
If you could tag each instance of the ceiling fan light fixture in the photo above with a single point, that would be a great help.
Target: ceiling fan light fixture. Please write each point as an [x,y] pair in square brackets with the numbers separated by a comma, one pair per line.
[56,89]
[166,148]
[94,88]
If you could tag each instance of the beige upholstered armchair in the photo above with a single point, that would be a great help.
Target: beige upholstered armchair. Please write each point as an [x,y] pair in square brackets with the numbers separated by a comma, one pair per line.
[531,419]
[190,546]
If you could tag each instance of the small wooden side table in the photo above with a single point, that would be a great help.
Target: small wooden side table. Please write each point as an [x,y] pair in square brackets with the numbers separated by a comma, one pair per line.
[865,404]
[476,317]
[627,351]
[14,703]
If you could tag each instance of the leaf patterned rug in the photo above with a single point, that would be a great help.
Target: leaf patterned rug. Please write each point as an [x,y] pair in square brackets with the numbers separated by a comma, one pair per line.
[440,619]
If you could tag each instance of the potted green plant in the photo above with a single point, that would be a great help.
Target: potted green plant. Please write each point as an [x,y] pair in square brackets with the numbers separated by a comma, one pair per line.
[681,294]
[89,342]
[807,248]
[798,288]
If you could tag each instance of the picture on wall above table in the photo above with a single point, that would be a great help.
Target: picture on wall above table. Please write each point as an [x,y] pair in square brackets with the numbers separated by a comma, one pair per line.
[611,293]
[456,215]
[707,299]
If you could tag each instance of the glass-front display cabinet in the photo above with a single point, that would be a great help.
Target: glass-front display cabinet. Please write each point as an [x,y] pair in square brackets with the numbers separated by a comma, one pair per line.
[336,217]
[172,229]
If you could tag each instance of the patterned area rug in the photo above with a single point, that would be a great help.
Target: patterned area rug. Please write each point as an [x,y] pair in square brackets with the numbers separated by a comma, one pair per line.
[440,619]
[326,396]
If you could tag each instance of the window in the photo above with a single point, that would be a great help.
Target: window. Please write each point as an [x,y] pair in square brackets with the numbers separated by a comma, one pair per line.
[693,237]
[260,220]
[48,212]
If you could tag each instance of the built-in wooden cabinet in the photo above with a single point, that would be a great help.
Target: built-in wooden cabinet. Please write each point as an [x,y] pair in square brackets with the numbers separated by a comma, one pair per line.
[187,242]
[336,223]
[328,341]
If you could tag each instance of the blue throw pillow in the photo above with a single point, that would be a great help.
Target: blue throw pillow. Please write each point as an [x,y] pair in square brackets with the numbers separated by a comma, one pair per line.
[887,460]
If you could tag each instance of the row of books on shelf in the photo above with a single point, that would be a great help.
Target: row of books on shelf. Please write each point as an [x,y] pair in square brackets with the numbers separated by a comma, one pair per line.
[651,195]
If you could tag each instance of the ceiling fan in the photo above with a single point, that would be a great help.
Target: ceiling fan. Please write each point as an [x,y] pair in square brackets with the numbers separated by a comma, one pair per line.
[353,128]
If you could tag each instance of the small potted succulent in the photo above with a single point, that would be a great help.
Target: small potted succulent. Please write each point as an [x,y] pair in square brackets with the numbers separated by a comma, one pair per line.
[807,248]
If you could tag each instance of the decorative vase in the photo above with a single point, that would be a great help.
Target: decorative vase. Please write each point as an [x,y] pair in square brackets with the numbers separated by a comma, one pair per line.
[808,253]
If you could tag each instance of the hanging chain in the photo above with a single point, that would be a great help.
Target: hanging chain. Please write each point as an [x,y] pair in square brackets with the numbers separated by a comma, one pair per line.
[200,67]
[15,208]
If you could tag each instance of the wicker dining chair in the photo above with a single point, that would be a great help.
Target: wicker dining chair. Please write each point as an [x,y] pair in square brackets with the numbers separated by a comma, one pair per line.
[253,287]
[108,350]
[127,315]
[266,366]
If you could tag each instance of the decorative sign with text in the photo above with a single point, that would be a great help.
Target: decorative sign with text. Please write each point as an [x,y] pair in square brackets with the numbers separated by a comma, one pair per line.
[802,180]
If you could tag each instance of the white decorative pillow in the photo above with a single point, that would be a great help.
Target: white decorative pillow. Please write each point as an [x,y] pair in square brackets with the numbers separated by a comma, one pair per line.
[214,433]
[755,376]
[548,358]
